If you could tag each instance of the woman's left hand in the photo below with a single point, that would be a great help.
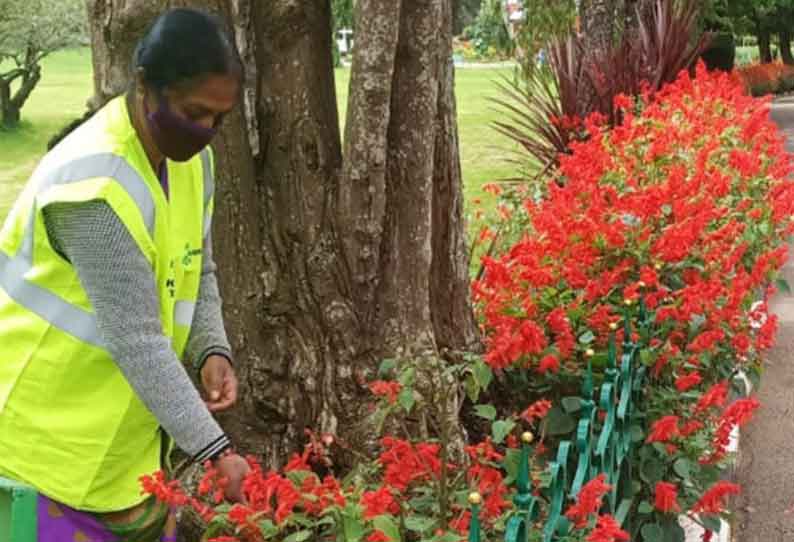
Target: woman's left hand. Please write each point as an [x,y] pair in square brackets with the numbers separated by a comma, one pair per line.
[220,383]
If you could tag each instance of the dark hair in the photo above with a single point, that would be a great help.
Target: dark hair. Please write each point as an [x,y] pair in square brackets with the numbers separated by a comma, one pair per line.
[181,46]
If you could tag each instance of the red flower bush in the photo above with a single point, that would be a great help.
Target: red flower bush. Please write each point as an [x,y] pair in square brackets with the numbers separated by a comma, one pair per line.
[684,208]
[770,78]
[678,216]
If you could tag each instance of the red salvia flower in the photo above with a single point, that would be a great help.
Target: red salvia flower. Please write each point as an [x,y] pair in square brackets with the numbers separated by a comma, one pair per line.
[713,501]
[378,536]
[388,389]
[663,429]
[536,411]
[607,529]
[376,503]
[588,502]
[687,381]
[666,495]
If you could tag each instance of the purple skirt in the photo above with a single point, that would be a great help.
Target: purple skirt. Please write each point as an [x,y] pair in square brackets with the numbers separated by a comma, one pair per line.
[60,523]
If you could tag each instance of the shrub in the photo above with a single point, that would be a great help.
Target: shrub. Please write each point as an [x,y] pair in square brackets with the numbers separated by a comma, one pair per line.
[763,79]
[720,53]
[543,112]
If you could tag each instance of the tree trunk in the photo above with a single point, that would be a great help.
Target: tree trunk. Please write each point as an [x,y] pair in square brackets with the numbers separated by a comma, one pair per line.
[327,264]
[11,104]
[9,116]
[785,46]
[30,78]
[764,46]
[599,23]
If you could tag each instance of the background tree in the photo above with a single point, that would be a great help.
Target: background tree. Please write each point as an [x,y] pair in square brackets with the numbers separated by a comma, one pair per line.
[488,31]
[330,258]
[29,31]
[764,19]
[465,12]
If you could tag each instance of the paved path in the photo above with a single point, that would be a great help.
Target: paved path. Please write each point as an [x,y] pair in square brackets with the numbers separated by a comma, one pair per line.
[765,511]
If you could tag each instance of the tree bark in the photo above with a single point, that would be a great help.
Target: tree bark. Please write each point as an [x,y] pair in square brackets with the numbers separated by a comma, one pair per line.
[11,104]
[764,45]
[599,23]
[785,46]
[328,262]
[9,117]
[30,79]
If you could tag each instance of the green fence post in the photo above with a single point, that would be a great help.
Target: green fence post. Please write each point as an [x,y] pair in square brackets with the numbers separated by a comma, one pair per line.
[475,500]
[18,514]
[518,525]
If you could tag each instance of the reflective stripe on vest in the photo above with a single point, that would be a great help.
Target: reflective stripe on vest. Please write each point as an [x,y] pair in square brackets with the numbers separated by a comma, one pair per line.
[183,313]
[209,189]
[184,310]
[47,305]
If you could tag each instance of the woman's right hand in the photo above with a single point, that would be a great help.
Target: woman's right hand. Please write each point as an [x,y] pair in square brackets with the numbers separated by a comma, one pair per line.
[234,468]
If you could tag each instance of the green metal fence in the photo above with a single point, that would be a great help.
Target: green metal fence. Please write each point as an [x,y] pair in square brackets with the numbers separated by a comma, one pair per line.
[17,512]
[603,447]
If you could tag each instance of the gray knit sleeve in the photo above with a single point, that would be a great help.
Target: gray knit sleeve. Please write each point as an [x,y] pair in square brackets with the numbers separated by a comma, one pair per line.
[120,285]
[207,334]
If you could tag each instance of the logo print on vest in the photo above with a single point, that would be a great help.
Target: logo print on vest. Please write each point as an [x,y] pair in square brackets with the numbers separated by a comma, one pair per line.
[187,258]
[170,283]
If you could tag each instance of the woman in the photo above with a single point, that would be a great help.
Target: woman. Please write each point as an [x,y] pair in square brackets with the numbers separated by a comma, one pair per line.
[106,282]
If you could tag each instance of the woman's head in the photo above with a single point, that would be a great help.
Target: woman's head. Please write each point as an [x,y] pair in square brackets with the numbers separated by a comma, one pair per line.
[187,77]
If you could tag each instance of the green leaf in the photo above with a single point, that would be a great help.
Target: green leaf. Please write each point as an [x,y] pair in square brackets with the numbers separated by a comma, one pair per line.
[673,532]
[472,388]
[587,337]
[216,526]
[645,508]
[406,398]
[299,536]
[558,422]
[571,404]
[599,360]
[483,374]
[682,468]
[652,532]
[268,528]
[708,475]
[419,524]
[500,429]
[637,434]
[652,471]
[352,525]
[486,411]
[407,376]
[388,525]
[711,522]
[510,464]
[386,366]
[783,285]
[647,357]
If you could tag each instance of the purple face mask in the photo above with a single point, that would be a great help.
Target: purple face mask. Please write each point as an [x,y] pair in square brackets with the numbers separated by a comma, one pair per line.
[176,137]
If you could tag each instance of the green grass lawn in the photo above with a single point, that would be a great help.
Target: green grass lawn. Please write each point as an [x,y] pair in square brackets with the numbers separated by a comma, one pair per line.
[66,85]
[59,98]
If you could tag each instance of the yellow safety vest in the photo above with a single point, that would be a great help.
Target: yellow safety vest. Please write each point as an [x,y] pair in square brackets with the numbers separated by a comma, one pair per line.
[70,424]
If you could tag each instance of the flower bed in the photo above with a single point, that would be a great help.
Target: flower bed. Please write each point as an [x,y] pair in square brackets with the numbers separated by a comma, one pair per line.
[763,79]
[685,204]
[676,219]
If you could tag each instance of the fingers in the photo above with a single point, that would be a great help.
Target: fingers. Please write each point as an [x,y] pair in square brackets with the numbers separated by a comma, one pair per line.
[230,387]
[226,398]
